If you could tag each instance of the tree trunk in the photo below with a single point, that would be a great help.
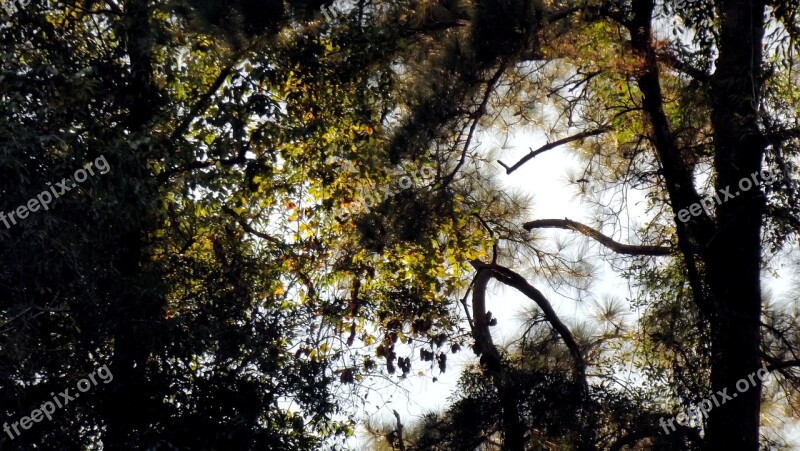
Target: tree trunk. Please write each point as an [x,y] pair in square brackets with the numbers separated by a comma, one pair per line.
[513,429]
[733,254]
[723,254]
[129,408]
[491,361]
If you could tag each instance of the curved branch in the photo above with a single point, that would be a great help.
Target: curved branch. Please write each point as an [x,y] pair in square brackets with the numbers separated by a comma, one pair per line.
[480,331]
[620,248]
[491,360]
[515,280]
[553,145]
[400,442]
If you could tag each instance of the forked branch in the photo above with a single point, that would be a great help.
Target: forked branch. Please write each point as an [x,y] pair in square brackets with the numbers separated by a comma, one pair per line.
[514,280]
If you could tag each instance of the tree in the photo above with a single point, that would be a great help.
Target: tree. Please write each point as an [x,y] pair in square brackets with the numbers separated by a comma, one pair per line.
[225,274]
[676,117]
[154,268]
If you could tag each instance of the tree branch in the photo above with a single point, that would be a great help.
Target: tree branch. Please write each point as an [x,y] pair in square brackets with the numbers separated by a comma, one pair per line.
[249,229]
[783,365]
[480,331]
[400,442]
[16,317]
[515,280]
[202,104]
[491,360]
[552,145]
[783,214]
[620,248]
[490,85]
[677,175]
[239,159]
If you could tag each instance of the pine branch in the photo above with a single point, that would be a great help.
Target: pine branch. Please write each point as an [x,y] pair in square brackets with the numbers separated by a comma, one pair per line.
[620,248]
[514,280]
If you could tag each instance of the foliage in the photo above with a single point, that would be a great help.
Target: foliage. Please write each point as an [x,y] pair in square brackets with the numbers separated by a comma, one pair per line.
[212,268]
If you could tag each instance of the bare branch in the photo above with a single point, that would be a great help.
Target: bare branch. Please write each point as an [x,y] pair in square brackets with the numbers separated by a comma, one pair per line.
[16,317]
[553,145]
[620,248]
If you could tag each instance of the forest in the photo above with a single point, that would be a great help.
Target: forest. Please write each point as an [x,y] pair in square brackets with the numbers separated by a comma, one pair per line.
[296,225]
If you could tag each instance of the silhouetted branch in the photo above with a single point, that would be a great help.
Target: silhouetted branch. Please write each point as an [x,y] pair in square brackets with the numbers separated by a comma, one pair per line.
[783,365]
[553,145]
[620,248]
[400,443]
[515,280]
